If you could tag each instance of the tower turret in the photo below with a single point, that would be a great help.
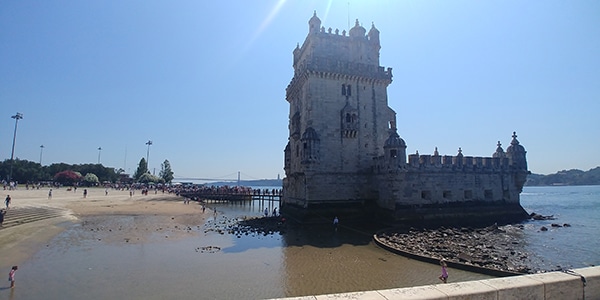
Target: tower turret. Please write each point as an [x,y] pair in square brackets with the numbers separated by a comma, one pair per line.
[314,24]
[357,31]
[499,151]
[395,149]
[517,161]
[374,37]
[516,154]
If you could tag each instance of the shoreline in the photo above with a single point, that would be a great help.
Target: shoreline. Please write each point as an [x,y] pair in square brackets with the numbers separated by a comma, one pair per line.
[27,237]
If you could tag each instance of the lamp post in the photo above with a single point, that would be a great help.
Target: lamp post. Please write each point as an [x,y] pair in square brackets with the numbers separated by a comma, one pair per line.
[99,150]
[17,117]
[41,151]
[148,155]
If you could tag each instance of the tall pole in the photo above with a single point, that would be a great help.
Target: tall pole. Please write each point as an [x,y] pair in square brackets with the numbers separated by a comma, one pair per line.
[149,142]
[41,151]
[99,150]
[17,117]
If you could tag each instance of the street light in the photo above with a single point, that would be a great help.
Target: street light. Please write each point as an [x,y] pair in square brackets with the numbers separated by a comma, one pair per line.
[41,151]
[99,149]
[148,155]
[17,117]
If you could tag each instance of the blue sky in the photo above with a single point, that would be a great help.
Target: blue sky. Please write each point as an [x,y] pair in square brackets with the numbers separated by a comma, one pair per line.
[205,80]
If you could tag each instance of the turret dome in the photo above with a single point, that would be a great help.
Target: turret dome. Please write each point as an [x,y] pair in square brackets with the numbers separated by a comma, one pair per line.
[357,30]
[394,141]
[314,24]
[515,147]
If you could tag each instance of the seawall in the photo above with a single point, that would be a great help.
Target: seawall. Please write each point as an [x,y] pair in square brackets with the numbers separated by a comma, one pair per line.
[581,283]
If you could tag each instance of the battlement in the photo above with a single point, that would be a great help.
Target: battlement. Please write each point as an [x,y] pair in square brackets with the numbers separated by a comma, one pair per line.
[358,46]
[447,163]
[459,162]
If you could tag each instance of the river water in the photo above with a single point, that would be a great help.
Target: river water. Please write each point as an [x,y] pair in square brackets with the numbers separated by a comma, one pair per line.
[75,265]
[563,247]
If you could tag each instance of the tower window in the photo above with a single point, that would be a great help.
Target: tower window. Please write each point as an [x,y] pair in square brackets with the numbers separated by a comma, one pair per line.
[346,90]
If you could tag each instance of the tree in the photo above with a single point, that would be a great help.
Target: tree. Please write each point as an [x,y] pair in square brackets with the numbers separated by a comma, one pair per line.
[149,178]
[23,171]
[90,179]
[67,177]
[141,170]
[165,171]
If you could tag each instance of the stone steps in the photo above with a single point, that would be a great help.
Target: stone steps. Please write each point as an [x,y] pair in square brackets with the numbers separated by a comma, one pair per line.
[22,215]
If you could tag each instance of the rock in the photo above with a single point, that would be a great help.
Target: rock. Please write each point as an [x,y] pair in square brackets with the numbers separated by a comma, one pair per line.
[464,257]
[538,217]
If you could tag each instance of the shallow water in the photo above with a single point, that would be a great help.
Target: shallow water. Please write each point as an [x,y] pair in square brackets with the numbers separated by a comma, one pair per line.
[90,264]
[576,246]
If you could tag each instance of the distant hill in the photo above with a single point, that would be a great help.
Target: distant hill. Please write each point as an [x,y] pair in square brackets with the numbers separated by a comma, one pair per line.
[566,177]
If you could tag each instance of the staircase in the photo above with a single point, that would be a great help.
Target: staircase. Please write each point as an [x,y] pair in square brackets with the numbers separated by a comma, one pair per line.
[21,215]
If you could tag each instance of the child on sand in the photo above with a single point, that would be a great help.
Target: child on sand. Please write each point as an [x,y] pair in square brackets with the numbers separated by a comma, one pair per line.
[11,276]
[444,276]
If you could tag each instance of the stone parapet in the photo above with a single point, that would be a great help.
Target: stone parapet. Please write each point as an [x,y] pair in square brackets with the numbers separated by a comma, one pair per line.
[581,283]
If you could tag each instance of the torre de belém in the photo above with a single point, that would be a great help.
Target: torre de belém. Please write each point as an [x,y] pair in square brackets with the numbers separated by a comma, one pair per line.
[344,150]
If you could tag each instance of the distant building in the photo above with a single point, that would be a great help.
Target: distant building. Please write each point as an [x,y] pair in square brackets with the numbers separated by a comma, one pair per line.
[344,150]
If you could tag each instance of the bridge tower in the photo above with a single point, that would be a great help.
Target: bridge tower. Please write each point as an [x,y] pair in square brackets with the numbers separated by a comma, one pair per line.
[339,118]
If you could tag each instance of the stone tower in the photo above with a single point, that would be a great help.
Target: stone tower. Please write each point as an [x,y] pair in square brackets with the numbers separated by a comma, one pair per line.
[344,153]
[339,118]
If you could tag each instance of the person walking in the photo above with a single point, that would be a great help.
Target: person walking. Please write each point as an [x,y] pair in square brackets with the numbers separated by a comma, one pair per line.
[11,276]
[7,201]
[2,213]
[444,276]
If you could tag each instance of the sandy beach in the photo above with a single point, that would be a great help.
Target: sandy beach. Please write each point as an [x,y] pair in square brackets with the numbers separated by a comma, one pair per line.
[20,241]
[155,246]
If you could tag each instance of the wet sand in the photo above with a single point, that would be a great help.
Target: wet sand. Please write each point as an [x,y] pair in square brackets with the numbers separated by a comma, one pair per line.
[23,240]
[153,247]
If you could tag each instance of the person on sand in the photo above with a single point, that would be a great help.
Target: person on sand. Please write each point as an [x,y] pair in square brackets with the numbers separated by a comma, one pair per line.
[50,194]
[444,276]
[84,193]
[11,276]
[7,201]
[2,213]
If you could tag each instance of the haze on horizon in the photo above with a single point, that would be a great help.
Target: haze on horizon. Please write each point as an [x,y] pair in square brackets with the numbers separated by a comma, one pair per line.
[205,81]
